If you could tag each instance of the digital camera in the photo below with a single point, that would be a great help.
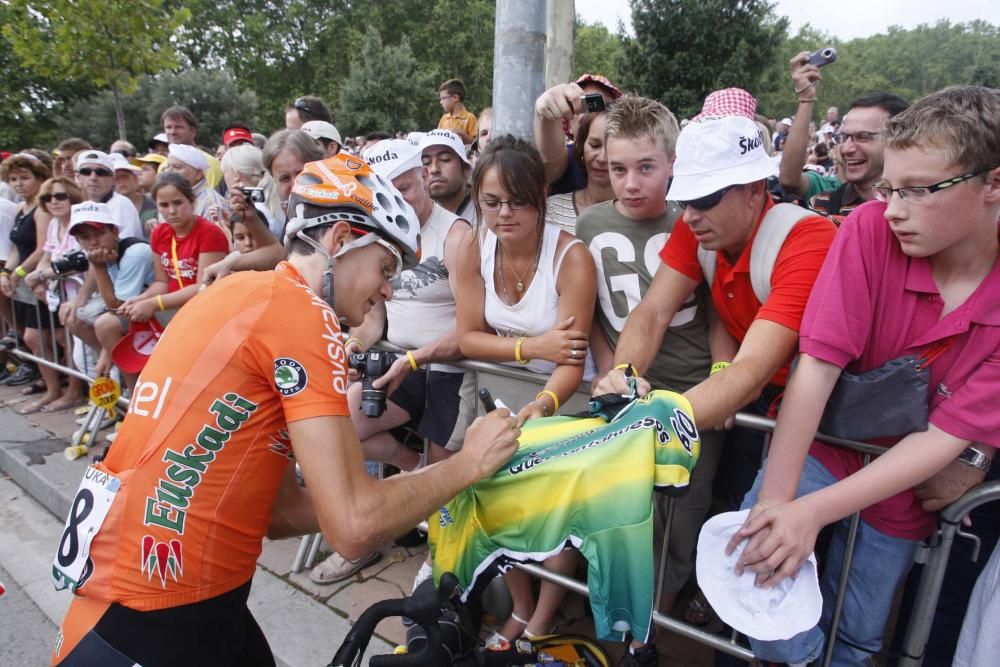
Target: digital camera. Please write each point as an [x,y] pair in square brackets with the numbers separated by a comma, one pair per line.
[371,366]
[255,195]
[72,262]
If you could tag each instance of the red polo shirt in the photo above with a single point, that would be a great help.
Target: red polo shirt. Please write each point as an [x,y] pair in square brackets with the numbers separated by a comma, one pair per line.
[795,271]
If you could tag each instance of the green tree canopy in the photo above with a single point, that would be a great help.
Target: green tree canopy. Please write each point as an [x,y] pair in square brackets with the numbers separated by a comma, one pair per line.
[100,44]
[685,49]
[596,51]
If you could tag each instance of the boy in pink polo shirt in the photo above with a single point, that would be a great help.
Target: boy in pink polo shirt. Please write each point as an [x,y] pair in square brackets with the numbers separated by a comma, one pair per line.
[914,269]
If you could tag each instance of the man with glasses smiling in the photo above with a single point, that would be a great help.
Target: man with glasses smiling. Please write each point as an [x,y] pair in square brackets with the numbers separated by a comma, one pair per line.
[858,145]
[95,174]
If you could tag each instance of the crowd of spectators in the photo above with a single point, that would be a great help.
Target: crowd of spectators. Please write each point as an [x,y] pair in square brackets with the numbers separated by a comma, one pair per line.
[617,247]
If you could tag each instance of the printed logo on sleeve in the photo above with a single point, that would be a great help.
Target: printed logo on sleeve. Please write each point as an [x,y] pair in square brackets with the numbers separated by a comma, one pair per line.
[289,376]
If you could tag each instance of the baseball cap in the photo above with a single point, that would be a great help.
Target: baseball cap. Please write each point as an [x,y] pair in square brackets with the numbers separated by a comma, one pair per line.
[320,129]
[94,157]
[718,152]
[391,157]
[415,138]
[133,351]
[189,155]
[767,614]
[160,138]
[119,162]
[150,158]
[444,138]
[233,134]
[786,121]
[91,213]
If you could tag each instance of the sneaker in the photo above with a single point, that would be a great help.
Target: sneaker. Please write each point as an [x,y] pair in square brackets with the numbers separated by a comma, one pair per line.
[645,656]
[24,374]
[336,568]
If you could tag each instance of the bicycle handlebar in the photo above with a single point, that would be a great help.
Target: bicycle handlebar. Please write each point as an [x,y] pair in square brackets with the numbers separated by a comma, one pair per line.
[425,610]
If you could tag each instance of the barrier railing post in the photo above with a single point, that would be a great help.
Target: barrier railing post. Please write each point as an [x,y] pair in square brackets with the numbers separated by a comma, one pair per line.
[664,555]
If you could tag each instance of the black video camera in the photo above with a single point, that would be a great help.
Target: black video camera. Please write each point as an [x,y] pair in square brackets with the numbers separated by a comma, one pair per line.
[72,262]
[371,366]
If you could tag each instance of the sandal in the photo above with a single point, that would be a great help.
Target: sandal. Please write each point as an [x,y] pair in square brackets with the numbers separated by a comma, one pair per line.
[32,408]
[35,387]
[63,404]
[698,611]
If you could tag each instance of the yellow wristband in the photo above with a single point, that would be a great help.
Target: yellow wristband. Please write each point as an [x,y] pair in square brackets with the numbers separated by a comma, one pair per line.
[517,351]
[551,394]
[627,366]
[20,272]
[352,340]
[718,366]
[412,359]
[159,302]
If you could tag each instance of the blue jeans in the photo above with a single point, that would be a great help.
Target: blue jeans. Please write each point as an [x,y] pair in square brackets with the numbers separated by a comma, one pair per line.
[880,564]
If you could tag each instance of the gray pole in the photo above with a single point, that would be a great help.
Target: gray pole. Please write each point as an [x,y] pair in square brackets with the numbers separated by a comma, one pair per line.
[518,65]
[560,27]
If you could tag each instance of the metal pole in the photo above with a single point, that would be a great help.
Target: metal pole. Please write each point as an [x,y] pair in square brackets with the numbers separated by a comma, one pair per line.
[664,556]
[560,23]
[518,65]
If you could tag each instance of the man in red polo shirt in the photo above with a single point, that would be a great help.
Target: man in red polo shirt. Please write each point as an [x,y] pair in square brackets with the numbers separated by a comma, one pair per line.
[720,176]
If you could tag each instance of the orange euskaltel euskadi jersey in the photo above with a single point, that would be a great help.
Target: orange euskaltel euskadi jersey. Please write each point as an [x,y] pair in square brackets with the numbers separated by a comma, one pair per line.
[204,447]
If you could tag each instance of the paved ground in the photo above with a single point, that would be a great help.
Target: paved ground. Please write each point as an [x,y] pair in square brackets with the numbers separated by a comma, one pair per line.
[304,622]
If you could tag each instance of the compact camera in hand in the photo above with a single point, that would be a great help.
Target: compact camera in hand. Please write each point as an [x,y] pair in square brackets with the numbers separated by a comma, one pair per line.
[72,262]
[255,195]
[823,56]
[592,103]
[371,366]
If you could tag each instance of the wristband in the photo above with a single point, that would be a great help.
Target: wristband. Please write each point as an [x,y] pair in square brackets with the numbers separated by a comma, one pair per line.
[159,301]
[353,340]
[20,272]
[517,351]
[412,359]
[551,394]
[718,366]
[629,369]
[807,101]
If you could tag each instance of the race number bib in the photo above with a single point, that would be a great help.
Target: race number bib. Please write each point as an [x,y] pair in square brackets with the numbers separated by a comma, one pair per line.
[71,567]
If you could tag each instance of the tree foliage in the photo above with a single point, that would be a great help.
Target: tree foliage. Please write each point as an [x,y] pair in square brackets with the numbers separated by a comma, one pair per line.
[596,51]
[384,87]
[684,49]
[106,43]
[212,95]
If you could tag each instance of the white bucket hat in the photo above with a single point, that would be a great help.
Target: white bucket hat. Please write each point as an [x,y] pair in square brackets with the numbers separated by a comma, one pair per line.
[444,138]
[718,152]
[767,614]
[391,157]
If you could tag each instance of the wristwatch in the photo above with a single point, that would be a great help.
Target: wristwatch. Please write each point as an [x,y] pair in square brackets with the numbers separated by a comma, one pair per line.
[975,458]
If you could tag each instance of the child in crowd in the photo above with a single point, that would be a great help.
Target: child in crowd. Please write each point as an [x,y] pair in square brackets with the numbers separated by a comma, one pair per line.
[456,117]
[913,274]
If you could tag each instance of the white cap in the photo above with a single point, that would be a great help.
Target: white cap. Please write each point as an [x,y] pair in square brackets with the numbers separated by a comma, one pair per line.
[162,138]
[768,614]
[119,162]
[320,129]
[391,157]
[94,157]
[415,138]
[189,155]
[786,121]
[715,153]
[91,213]
[444,138]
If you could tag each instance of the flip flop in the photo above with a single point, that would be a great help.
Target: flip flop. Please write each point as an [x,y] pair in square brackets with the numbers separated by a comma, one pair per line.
[55,405]
[32,408]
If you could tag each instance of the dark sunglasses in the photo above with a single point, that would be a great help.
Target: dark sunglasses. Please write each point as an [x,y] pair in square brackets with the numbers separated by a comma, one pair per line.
[708,201]
[100,171]
[302,105]
[58,196]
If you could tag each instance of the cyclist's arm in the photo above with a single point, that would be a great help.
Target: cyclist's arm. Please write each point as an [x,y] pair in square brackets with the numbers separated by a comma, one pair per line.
[357,513]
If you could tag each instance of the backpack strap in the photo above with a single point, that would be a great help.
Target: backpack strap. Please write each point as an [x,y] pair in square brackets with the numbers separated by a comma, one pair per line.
[126,243]
[774,229]
[706,258]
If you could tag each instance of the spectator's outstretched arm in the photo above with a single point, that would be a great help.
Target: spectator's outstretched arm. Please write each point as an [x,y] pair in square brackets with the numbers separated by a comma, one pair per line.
[765,349]
[806,79]
[551,107]
[645,327]
[261,259]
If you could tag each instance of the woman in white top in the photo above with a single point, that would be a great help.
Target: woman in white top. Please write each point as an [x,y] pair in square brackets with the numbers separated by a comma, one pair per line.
[525,295]
[562,210]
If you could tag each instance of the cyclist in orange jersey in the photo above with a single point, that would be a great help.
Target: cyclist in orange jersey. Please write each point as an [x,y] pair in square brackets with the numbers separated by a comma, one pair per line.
[162,539]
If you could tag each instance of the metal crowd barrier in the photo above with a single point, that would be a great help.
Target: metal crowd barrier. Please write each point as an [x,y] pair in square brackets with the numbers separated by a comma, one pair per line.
[512,384]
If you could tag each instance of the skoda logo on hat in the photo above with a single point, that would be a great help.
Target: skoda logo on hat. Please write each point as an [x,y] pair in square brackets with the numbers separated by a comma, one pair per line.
[747,144]
[289,376]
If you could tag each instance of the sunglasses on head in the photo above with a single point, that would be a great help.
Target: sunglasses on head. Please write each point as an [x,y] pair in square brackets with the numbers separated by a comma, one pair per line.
[708,201]
[57,196]
[100,171]
[302,105]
